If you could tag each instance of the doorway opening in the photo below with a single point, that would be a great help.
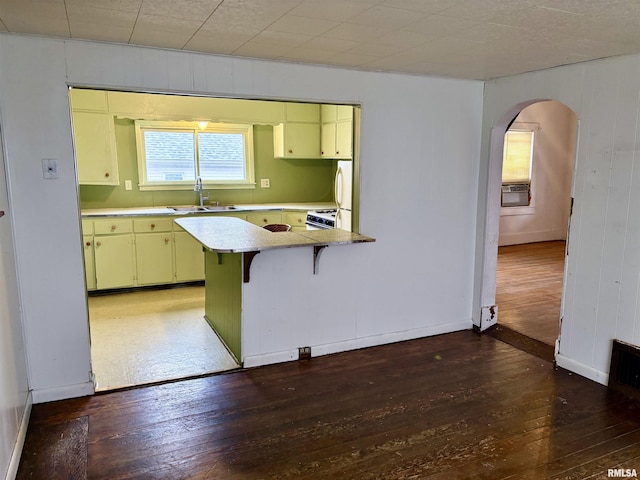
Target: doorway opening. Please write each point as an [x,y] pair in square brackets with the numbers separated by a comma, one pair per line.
[528,256]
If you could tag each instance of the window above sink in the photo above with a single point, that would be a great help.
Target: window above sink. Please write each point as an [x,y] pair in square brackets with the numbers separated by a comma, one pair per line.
[172,155]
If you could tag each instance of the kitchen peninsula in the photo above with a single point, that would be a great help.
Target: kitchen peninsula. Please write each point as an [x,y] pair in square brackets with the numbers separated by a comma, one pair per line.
[230,245]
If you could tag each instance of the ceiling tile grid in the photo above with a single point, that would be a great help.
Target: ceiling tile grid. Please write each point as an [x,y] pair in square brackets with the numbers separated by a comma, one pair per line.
[476,39]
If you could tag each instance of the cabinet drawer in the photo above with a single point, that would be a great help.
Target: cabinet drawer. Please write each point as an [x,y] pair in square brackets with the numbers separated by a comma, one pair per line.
[295,219]
[262,219]
[108,227]
[148,225]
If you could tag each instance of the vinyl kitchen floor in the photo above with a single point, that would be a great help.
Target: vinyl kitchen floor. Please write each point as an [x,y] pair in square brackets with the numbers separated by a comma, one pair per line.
[151,336]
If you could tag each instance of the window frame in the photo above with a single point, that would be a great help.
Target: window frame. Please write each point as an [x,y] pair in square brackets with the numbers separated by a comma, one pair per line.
[522,209]
[196,127]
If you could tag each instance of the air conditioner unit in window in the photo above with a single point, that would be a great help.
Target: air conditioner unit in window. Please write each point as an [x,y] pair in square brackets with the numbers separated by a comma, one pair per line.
[515,195]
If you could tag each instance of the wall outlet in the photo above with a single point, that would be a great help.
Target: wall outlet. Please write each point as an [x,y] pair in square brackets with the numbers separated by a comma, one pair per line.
[265,183]
[304,353]
[127,185]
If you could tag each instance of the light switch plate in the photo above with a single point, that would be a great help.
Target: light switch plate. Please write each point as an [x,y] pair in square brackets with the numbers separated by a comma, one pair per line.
[127,185]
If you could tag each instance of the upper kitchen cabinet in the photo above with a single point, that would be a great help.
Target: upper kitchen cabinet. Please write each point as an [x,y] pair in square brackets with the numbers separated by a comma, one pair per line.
[337,131]
[299,135]
[94,138]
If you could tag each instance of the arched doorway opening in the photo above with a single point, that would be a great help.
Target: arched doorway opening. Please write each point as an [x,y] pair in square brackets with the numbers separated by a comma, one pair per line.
[529,227]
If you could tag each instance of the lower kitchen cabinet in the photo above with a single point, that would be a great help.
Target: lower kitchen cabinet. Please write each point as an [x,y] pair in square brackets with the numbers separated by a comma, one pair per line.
[189,257]
[114,261]
[297,220]
[89,261]
[154,262]
[262,219]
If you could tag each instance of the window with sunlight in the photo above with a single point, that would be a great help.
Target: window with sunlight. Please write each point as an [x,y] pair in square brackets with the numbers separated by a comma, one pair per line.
[517,161]
[172,155]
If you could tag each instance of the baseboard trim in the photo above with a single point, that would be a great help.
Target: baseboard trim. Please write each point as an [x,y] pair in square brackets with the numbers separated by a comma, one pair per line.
[62,393]
[355,344]
[14,461]
[582,369]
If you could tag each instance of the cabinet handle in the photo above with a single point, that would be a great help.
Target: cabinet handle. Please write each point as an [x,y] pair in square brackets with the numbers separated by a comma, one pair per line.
[153,225]
[113,228]
[106,175]
[264,220]
[166,241]
[290,151]
[98,244]
[88,244]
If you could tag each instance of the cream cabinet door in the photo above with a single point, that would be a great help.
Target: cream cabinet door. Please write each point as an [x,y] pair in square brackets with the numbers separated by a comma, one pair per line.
[114,261]
[189,257]
[154,258]
[89,262]
[344,139]
[95,148]
[296,140]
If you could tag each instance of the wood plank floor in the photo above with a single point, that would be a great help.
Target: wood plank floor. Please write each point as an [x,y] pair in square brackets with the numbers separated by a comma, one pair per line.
[455,406]
[529,288]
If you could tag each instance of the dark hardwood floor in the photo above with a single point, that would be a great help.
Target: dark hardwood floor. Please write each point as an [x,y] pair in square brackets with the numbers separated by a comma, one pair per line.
[455,406]
[529,289]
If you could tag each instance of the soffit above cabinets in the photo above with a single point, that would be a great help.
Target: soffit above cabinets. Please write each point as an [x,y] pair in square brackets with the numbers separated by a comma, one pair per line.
[472,39]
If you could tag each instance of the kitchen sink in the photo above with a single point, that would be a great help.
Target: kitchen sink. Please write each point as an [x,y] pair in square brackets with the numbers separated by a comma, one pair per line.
[205,208]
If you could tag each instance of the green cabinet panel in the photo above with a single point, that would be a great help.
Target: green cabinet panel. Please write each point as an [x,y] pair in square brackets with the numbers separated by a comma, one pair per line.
[262,219]
[223,298]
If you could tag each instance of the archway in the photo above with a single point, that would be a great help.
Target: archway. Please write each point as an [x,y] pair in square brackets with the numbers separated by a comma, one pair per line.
[489,309]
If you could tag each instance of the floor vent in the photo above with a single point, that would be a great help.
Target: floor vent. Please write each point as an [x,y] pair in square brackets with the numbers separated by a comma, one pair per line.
[624,374]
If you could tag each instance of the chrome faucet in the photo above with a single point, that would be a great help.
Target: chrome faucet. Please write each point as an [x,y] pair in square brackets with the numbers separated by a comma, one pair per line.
[198,188]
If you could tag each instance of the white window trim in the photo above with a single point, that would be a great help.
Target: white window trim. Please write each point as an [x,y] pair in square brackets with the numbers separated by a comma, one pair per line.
[246,129]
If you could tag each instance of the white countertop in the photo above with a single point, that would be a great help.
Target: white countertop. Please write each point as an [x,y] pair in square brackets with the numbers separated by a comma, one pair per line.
[233,235]
[239,208]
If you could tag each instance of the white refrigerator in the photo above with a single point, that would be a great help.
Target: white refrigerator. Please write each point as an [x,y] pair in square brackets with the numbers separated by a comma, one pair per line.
[343,194]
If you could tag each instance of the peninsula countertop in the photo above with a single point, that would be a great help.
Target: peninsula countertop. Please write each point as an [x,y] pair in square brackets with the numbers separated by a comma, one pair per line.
[233,235]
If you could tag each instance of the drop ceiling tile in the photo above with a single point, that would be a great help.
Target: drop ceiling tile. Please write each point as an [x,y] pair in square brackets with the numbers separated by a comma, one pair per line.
[101,32]
[440,25]
[34,16]
[374,50]
[256,49]
[188,9]
[308,55]
[355,33]
[330,43]
[81,14]
[160,38]
[541,19]
[132,6]
[486,9]
[387,17]
[348,59]
[337,10]
[281,38]
[404,39]
[302,25]
[432,6]
[209,42]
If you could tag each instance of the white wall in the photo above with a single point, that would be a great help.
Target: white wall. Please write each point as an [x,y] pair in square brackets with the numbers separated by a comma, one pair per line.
[14,395]
[602,293]
[419,169]
[553,154]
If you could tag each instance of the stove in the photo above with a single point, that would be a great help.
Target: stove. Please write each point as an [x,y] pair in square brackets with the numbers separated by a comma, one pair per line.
[321,219]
